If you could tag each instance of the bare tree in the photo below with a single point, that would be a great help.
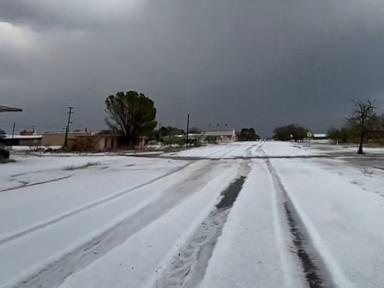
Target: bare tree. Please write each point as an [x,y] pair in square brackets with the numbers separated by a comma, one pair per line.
[362,118]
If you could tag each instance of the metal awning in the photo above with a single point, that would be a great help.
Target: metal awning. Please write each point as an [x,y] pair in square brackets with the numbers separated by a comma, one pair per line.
[9,109]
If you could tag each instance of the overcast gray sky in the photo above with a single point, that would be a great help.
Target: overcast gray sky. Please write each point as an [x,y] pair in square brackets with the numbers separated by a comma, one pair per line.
[247,63]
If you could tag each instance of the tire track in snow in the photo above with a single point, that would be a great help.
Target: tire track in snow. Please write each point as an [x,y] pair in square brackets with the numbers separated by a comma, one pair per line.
[228,152]
[204,157]
[256,147]
[196,158]
[314,268]
[54,274]
[84,208]
[26,184]
[187,268]
[221,149]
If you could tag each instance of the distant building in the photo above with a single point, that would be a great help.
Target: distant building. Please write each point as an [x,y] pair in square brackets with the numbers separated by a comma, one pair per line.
[28,132]
[220,136]
[57,138]
[94,143]
[320,136]
[82,141]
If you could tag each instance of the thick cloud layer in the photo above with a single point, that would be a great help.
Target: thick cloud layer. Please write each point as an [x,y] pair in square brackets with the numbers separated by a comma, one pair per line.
[245,63]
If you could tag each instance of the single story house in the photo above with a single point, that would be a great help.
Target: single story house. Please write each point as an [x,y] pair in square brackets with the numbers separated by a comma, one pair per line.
[94,143]
[321,138]
[57,138]
[220,136]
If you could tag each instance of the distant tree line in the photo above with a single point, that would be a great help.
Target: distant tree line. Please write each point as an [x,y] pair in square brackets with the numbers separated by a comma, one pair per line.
[290,132]
[247,134]
[133,115]
[363,125]
[169,135]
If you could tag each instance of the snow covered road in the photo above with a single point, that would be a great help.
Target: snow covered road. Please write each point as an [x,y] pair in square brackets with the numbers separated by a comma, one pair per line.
[254,214]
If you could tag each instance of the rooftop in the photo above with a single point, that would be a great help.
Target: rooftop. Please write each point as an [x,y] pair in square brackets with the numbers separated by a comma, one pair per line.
[9,109]
[23,136]
[219,133]
[320,135]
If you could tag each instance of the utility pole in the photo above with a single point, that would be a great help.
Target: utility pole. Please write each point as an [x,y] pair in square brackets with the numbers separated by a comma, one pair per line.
[13,135]
[186,144]
[13,129]
[70,112]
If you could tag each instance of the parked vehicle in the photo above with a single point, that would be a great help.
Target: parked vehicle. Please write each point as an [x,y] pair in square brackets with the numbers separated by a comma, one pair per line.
[4,154]
[2,134]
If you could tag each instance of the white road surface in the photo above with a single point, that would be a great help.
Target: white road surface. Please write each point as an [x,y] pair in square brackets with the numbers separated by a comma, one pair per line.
[253,214]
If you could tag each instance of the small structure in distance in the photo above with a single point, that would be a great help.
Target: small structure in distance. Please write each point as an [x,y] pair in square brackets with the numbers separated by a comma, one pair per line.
[320,138]
[220,136]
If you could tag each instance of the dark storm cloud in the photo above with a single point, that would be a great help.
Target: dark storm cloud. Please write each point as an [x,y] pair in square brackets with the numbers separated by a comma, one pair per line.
[48,14]
[245,63]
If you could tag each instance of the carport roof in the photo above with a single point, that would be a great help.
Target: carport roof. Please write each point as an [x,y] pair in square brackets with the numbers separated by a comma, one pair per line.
[9,109]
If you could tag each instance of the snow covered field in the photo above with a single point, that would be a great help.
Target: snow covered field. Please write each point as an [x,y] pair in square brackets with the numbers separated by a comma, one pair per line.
[254,214]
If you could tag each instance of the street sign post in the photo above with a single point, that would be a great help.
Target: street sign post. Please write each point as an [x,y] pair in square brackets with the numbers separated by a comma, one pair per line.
[309,137]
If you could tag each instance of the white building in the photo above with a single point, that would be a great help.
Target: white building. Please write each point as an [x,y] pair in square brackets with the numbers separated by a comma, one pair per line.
[220,136]
[321,138]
